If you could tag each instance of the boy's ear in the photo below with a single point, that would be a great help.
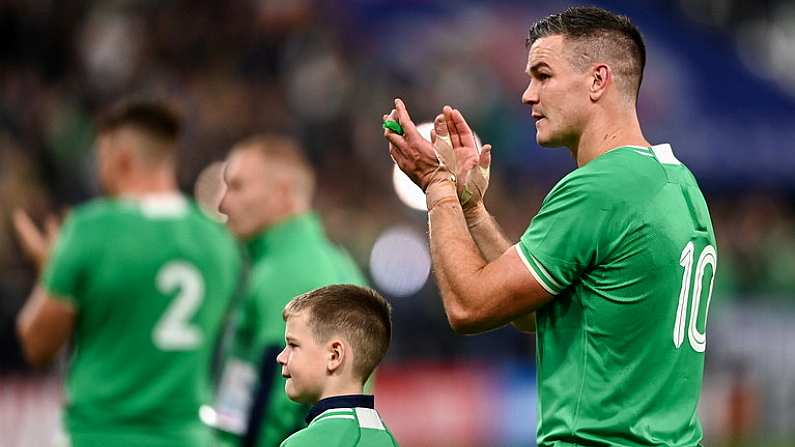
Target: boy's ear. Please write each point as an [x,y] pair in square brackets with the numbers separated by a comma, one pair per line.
[336,355]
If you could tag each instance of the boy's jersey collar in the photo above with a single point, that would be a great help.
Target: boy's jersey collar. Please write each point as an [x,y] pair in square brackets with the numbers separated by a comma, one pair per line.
[346,401]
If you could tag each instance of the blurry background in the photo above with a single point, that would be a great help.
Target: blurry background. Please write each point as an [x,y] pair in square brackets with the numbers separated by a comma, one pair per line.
[719,86]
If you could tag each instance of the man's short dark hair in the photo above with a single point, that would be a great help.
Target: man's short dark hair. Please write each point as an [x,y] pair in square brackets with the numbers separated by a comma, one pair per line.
[607,37]
[359,314]
[155,118]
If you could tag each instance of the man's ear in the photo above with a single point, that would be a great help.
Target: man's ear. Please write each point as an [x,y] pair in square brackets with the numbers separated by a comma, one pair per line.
[337,353]
[124,159]
[601,78]
[284,189]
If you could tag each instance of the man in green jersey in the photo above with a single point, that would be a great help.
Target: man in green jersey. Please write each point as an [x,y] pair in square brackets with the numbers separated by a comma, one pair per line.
[615,271]
[269,190]
[335,337]
[139,281]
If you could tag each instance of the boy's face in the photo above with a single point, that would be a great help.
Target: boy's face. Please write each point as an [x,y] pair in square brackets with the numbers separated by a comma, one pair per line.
[304,361]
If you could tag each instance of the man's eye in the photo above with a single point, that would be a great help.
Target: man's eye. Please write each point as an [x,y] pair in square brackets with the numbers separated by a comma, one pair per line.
[543,76]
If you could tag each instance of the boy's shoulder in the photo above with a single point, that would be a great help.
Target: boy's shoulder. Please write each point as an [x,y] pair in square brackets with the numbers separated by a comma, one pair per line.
[333,428]
[343,427]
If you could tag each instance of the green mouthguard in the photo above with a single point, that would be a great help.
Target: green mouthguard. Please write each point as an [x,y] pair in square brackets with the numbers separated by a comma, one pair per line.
[394,126]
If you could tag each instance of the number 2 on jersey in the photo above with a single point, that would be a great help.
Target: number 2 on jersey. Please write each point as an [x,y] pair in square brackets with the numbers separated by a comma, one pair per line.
[698,340]
[173,331]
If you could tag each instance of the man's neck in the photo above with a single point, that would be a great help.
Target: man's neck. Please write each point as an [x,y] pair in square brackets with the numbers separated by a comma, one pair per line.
[607,132]
[157,183]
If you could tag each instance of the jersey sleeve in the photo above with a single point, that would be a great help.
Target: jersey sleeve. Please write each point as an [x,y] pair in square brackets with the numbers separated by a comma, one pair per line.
[567,235]
[68,263]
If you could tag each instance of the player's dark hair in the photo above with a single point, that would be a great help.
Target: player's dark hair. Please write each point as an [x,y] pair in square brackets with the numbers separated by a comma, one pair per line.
[155,118]
[359,314]
[610,35]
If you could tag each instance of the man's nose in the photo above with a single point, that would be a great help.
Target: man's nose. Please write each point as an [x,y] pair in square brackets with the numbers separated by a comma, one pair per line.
[530,95]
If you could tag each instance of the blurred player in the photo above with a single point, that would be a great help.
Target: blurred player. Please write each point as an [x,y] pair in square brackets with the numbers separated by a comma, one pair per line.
[335,338]
[617,265]
[269,190]
[139,281]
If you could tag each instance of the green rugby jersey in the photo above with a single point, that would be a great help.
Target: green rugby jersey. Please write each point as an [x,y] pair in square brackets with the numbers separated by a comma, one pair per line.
[332,424]
[627,245]
[289,259]
[150,280]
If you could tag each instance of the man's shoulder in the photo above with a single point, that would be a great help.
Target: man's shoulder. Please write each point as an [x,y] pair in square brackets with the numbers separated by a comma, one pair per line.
[209,227]
[97,210]
[94,219]
[623,164]
[617,178]
[306,266]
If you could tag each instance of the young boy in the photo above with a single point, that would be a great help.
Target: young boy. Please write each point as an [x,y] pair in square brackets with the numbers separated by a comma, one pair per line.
[336,336]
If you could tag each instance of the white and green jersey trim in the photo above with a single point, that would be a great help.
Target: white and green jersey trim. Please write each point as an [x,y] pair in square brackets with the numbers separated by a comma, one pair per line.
[662,152]
[538,271]
[334,413]
[365,417]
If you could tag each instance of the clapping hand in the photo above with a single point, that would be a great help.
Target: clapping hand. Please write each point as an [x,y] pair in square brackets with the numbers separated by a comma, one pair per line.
[473,165]
[415,155]
[36,244]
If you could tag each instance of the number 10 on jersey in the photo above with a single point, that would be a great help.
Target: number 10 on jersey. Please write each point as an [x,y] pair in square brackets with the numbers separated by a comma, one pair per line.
[698,340]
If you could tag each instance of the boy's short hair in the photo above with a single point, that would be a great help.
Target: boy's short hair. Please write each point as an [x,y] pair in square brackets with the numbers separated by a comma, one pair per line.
[359,314]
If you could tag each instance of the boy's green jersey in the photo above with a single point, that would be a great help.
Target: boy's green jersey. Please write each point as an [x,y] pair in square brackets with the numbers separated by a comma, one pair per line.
[344,427]
[627,245]
[150,280]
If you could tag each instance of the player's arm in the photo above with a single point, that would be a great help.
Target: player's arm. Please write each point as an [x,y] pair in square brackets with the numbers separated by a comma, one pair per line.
[492,243]
[46,321]
[478,295]
[486,233]
[44,325]
[474,169]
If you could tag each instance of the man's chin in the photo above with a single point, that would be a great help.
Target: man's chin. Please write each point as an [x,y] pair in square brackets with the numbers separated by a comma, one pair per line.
[244,234]
[548,143]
